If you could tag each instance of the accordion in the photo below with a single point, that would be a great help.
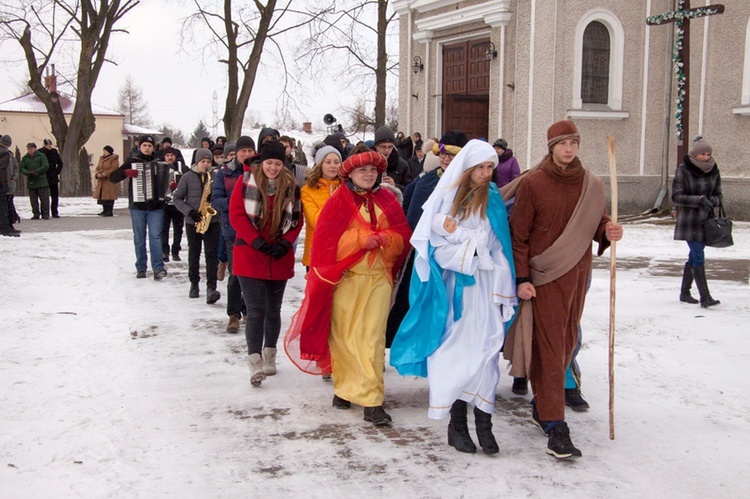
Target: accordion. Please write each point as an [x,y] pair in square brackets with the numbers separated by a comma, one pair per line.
[152,181]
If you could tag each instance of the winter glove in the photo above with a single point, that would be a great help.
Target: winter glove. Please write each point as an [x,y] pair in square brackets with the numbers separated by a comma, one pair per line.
[195,216]
[261,245]
[280,249]
[172,186]
[131,173]
[373,241]
[706,201]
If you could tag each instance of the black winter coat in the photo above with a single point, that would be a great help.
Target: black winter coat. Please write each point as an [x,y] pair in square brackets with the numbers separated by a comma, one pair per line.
[55,164]
[398,170]
[689,185]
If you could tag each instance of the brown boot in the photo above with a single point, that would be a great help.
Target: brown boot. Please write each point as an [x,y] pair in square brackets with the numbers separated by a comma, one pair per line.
[233,327]
[222,271]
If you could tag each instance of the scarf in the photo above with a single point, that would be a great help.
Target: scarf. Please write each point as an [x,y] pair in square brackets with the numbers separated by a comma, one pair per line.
[254,204]
[555,261]
[573,174]
[505,156]
[704,166]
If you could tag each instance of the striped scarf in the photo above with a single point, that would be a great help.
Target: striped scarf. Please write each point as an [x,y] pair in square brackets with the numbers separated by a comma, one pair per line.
[254,204]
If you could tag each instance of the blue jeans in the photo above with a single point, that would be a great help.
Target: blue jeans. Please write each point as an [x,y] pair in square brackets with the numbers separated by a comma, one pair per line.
[696,257]
[153,220]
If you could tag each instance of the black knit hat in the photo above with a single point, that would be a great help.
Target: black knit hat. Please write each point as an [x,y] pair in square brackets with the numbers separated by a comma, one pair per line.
[384,134]
[273,150]
[146,138]
[244,142]
[109,149]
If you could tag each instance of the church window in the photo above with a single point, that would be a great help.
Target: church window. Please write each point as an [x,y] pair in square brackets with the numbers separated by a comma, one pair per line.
[595,64]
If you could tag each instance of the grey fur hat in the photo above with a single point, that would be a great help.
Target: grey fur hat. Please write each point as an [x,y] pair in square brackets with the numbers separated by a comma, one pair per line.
[203,153]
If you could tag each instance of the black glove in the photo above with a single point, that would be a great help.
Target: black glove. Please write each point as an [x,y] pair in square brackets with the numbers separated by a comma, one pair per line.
[195,216]
[280,249]
[261,245]
[706,201]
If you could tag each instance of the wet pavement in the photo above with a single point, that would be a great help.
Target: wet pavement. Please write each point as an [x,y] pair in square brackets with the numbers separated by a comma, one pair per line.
[737,270]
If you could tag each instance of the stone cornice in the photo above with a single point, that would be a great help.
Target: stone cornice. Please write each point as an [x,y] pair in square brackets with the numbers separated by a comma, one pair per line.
[491,12]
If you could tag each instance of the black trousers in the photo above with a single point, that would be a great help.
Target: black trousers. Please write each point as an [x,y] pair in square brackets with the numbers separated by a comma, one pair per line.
[5,222]
[177,219]
[54,195]
[263,301]
[234,291]
[208,242]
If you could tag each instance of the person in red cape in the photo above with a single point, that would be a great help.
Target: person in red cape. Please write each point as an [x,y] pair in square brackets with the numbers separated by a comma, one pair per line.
[360,243]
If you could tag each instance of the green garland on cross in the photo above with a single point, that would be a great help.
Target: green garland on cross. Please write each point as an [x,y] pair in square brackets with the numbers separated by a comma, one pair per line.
[678,16]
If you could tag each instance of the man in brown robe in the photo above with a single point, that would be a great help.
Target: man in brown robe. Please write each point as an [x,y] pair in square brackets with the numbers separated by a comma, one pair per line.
[559,209]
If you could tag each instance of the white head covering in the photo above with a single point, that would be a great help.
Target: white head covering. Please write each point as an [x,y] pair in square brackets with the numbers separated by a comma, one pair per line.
[440,201]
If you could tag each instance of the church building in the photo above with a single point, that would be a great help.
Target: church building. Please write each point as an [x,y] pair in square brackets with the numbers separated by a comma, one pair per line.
[510,68]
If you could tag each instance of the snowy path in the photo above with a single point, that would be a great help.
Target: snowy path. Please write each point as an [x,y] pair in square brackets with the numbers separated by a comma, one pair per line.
[117,387]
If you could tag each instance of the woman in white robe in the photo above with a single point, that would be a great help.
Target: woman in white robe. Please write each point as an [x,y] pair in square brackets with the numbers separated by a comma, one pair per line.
[461,350]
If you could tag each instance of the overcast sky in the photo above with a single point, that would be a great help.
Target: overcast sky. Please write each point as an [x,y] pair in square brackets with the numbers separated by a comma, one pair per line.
[178,86]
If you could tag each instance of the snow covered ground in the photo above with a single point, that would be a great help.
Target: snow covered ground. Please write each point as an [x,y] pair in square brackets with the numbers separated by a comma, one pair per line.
[117,387]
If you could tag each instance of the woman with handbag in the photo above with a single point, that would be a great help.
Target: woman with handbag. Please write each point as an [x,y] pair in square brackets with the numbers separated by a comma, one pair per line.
[696,190]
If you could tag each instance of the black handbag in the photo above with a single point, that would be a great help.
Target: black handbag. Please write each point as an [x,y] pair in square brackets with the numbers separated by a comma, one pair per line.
[718,229]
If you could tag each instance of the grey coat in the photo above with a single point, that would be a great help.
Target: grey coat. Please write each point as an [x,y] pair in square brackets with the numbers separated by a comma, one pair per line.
[688,186]
[187,196]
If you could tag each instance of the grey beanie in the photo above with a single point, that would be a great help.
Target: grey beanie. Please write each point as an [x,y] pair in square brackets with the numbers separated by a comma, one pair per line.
[325,151]
[6,140]
[203,153]
[384,134]
[501,143]
[229,147]
[700,145]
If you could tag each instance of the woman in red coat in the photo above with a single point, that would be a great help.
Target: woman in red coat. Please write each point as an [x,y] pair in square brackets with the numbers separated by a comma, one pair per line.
[266,213]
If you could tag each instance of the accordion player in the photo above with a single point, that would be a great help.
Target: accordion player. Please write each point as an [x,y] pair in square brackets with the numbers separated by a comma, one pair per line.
[152,181]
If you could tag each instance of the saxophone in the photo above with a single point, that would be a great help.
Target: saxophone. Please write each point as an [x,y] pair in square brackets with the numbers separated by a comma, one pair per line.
[205,208]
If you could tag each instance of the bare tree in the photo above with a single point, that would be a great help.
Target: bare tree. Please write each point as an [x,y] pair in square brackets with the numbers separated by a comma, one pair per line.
[239,35]
[361,45]
[46,28]
[360,120]
[132,104]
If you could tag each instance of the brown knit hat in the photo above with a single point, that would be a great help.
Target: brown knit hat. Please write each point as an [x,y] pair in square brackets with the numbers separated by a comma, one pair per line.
[363,159]
[562,130]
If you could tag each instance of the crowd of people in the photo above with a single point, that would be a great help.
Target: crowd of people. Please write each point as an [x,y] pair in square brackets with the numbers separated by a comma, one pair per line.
[440,250]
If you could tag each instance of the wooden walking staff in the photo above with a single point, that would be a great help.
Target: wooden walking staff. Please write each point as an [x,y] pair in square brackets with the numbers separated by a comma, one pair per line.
[612,287]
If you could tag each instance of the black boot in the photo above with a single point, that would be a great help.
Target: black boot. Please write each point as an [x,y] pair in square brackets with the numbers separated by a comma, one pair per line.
[194,293]
[487,440]
[687,283]
[699,273]
[212,296]
[458,430]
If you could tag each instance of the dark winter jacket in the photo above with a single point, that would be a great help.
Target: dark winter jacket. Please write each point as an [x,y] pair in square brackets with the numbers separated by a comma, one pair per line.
[55,164]
[179,158]
[119,175]
[221,193]
[507,168]
[422,189]
[248,261]
[690,184]
[189,193]
[398,170]
[5,155]
[405,148]
[35,168]
[416,166]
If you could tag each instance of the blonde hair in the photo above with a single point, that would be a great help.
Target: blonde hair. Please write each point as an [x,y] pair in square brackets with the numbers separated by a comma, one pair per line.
[315,174]
[470,197]
[285,187]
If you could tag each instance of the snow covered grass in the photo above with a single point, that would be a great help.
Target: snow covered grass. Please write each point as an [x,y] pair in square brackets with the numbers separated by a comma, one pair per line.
[117,387]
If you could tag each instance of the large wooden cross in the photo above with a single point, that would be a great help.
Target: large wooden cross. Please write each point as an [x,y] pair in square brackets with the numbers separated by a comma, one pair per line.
[681,57]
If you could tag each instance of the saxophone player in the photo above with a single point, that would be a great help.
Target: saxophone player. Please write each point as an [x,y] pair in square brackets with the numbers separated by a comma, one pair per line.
[193,198]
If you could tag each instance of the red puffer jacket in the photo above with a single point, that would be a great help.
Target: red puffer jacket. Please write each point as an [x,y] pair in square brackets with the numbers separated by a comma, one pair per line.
[249,262]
